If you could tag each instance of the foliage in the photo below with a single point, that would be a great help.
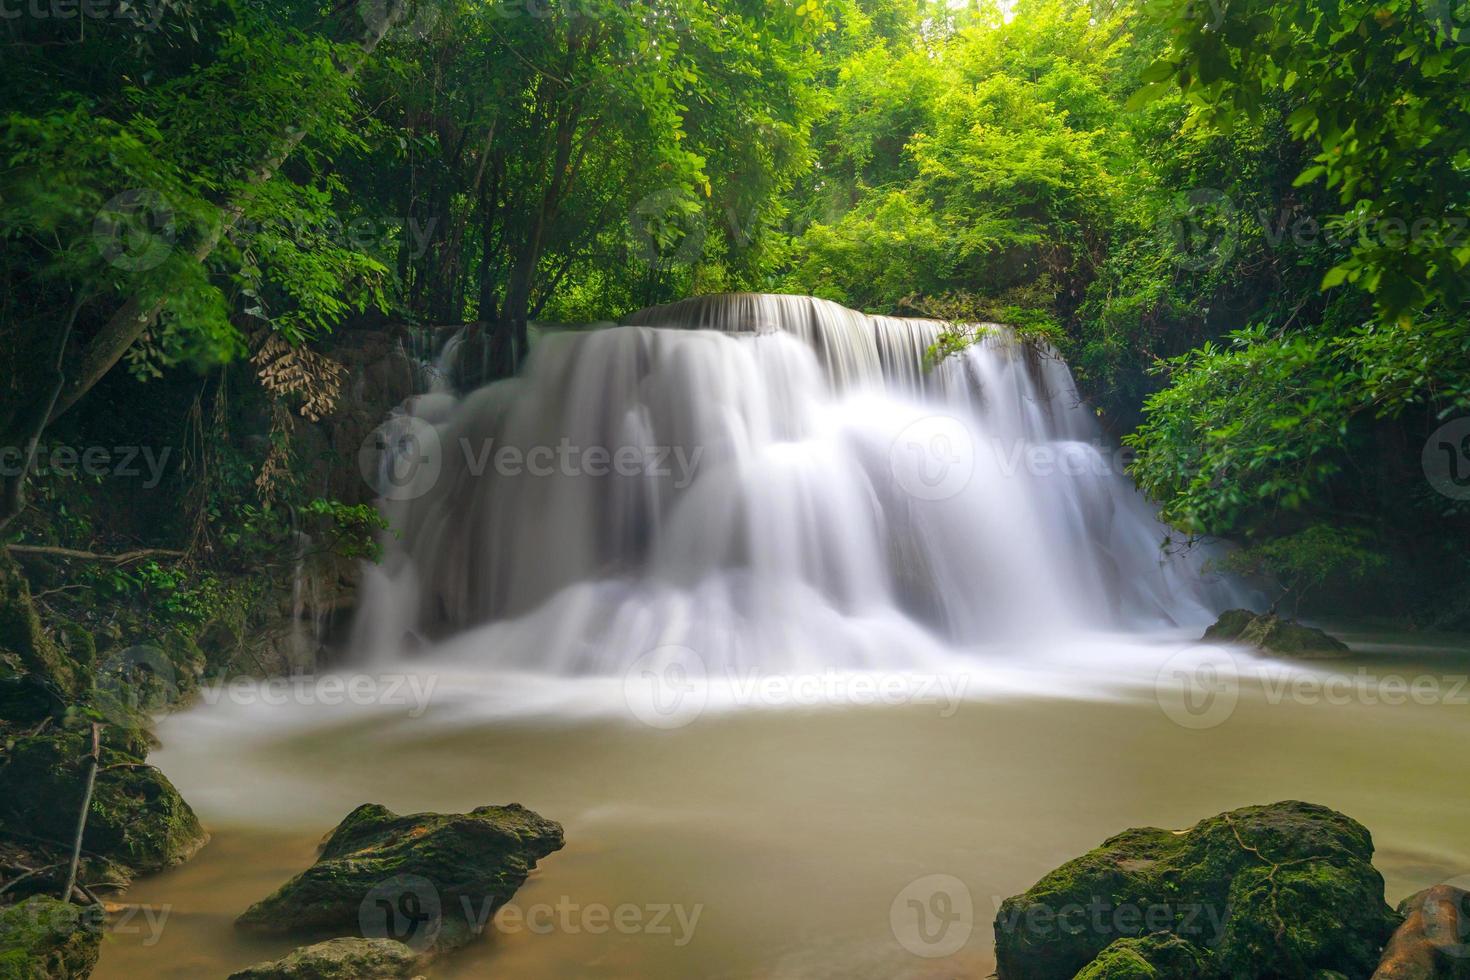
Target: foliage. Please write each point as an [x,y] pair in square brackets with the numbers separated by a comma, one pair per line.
[1305,561]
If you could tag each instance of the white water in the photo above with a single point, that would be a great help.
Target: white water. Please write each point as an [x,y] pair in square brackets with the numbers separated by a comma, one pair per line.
[799,493]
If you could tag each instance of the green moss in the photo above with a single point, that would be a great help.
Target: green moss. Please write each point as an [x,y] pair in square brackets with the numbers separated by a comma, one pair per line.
[25,644]
[451,862]
[1155,957]
[1289,883]
[44,939]
[136,818]
[1273,634]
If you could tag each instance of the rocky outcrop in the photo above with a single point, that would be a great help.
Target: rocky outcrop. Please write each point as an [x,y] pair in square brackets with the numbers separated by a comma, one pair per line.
[431,880]
[43,939]
[137,819]
[1434,941]
[1272,634]
[1264,891]
[338,959]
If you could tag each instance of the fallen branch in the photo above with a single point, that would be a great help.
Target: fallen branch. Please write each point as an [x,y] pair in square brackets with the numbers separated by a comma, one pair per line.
[122,559]
[76,848]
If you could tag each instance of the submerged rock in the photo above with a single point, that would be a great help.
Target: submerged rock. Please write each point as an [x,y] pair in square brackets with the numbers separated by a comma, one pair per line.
[431,880]
[1434,941]
[338,959]
[136,819]
[1273,634]
[44,939]
[1265,891]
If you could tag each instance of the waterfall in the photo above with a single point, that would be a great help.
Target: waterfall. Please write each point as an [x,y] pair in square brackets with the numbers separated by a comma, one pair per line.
[776,482]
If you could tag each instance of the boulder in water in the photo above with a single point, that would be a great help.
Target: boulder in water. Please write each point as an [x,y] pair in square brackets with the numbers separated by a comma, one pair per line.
[1273,634]
[1434,941]
[338,959]
[1265,891]
[137,818]
[431,880]
[44,939]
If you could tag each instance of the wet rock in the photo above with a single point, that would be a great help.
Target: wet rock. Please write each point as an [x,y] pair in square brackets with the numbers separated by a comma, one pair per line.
[431,880]
[137,818]
[1434,941]
[25,647]
[1273,634]
[1157,957]
[338,959]
[44,939]
[1267,891]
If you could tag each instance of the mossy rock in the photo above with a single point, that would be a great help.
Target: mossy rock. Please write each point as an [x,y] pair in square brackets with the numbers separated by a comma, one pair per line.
[429,879]
[1269,891]
[25,644]
[44,939]
[338,959]
[1156,957]
[136,819]
[1273,634]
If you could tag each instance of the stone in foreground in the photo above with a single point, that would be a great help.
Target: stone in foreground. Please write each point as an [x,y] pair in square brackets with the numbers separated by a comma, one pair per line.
[1273,634]
[1157,957]
[1265,891]
[430,880]
[1434,941]
[136,818]
[43,939]
[338,959]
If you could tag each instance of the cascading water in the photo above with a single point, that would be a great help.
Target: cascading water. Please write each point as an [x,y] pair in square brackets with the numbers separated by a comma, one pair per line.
[777,483]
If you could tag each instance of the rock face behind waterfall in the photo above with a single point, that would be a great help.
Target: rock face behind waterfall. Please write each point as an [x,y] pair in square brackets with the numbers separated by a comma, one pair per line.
[431,880]
[1285,890]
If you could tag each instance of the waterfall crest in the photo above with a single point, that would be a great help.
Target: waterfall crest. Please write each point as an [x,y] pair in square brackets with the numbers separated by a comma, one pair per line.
[776,482]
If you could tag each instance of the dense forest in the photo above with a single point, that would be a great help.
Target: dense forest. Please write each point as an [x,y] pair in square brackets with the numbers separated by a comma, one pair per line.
[236,234]
[1243,225]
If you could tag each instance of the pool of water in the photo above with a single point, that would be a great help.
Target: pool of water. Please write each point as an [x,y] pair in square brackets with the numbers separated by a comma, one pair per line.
[786,840]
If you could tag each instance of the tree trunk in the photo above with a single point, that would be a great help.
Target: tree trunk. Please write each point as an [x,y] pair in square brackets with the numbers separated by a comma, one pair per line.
[71,381]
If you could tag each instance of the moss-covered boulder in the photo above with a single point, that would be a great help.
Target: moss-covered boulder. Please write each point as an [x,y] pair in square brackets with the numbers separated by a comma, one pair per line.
[1267,891]
[431,880]
[1161,956]
[43,939]
[136,819]
[1434,941]
[338,959]
[25,647]
[1272,634]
